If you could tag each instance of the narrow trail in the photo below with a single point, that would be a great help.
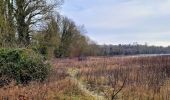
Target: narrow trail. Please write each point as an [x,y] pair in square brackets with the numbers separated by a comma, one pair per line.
[81,86]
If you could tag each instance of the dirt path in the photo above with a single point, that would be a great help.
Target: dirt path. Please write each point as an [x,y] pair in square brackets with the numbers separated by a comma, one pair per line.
[73,73]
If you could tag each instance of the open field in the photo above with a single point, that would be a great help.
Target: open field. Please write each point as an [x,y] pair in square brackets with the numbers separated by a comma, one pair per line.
[84,50]
[100,78]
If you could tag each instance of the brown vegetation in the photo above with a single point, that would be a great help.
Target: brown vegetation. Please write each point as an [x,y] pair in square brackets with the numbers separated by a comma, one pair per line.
[125,78]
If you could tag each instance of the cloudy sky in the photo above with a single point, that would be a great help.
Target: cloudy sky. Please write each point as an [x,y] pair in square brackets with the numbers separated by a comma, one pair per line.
[122,21]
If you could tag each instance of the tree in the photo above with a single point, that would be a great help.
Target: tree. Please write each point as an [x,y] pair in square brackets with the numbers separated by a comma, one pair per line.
[7,28]
[72,40]
[78,46]
[68,31]
[52,36]
[48,39]
[28,13]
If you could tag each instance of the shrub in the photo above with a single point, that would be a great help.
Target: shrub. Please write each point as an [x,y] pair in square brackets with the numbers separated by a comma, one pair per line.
[57,53]
[41,50]
[22,65]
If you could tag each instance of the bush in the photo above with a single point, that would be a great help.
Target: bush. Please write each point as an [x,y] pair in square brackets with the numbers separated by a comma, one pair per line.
[41,50]
[57,53]
[22,65]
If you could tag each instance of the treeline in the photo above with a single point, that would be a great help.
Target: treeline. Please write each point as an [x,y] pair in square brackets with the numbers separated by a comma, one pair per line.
[111,50]
[61,38]
[37,24]
[30,29]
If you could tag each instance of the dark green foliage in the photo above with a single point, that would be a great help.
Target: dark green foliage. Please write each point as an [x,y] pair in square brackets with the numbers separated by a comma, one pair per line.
[42,50]
[57,53]
[22,65]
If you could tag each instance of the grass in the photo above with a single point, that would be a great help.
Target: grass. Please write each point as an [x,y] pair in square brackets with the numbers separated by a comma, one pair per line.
[139,78]
[80,85]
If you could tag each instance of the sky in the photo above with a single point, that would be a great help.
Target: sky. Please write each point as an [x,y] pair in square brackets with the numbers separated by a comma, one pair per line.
[122,21]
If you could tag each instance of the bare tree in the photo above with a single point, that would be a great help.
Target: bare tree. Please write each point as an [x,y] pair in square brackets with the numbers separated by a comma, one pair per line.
[30,12]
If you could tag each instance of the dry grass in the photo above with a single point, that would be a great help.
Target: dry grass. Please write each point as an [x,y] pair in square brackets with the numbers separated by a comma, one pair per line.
[145,78]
